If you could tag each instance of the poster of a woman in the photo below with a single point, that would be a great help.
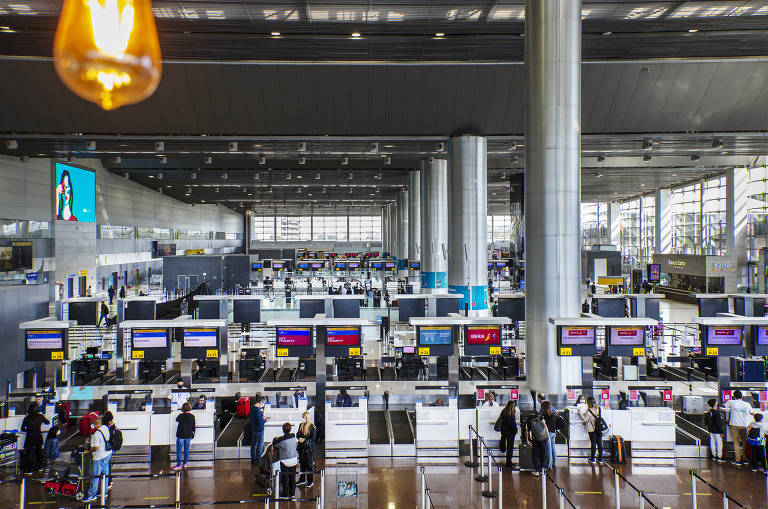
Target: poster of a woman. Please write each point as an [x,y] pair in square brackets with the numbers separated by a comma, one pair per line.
[65,197]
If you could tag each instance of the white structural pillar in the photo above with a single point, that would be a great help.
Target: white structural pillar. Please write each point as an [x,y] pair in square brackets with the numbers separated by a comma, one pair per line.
[614,224]
[663,233]
[402,229]
[434,226]
[385,228]
[468,222]
[736,191]
[414,215]
[552,186]
[392,229]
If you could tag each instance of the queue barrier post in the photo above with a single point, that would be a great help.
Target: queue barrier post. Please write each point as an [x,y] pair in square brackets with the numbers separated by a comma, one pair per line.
[103,492]
[276,488]
[423,488]
[472,463]
[481,477]
[500,485]
[543,490]
[642,500]
[490,477]
[178,488]
[693,491]
[322,488]
[617,488]
[318,503]
[426,499]
[22,492]
[725,500]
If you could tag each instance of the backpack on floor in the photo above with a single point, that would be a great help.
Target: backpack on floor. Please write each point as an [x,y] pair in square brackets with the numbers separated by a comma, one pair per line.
[243,407]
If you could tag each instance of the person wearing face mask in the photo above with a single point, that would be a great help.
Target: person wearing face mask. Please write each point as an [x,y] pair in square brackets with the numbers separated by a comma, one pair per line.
[181,395]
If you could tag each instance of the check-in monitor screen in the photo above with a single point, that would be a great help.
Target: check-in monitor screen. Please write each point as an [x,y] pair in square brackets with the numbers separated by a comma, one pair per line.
[762,335]
[45,339]
[200,338]
[375,265]
[501,265]
[483,335]
[277,265]
[414,265]
[342,336]
[294,336]
[724,335]
[437,335]
[389,265]
[577,336]
[490,265]
[354,265]
[255,266]
[317,265]
[340,266]
[627,336]
[150,338]
[303,266]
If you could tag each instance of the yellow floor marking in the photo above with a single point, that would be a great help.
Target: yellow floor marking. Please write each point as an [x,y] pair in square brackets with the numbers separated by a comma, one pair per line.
[588,492]
[688,493]
[155,498]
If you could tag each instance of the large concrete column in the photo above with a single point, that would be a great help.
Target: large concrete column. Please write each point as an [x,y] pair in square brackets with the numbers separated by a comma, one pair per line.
[663,233]
[385,229]
[468,222]
[434,226]
[414,215]
[402,229]
[614,224]
[552,185]
[736,192]
[391,229]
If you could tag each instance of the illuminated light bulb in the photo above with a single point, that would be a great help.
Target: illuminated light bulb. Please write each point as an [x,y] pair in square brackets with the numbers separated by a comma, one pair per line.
[107,51]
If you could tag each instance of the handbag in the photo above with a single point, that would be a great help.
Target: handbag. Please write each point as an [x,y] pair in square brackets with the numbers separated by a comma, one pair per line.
[600,424]
[497,426]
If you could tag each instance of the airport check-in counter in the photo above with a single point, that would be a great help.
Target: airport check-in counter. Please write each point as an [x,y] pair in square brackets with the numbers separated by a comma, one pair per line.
[47,340]
[645,305]
[346,430]
[12,423]
[749,304]
[649,430]
[277,416]
[437,429]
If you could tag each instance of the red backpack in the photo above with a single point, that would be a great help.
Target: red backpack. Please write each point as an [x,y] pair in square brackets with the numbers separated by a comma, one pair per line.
[86,423]
[243,407]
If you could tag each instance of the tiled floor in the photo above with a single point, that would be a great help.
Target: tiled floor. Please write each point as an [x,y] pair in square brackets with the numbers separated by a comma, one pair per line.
[395,483]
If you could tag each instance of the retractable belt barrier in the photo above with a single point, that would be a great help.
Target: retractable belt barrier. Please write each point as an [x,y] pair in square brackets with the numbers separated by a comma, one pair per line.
[725,496]
[481,476]
[642,497]
[561,496]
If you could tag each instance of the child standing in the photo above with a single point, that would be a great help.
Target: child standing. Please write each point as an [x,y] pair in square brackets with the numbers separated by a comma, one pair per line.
[756,432]
[51,446]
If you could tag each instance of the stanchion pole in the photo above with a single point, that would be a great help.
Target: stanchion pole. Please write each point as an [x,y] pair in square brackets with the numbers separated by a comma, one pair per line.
[490,475]
[322,488]
[725,500]
[426,499]
[22,492]
[276,488]
[423,487]
[543,490]
[642,500]
[500,487]
[178,488]
[617,488]
[482,457]
[561,494]
[103,493]
[266,502]
[318,503]
[695,503]
[471,447]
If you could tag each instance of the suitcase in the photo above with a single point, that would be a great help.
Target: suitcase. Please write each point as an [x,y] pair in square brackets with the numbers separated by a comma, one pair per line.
[525,459]
[618,452]
[243,406]
[25,461]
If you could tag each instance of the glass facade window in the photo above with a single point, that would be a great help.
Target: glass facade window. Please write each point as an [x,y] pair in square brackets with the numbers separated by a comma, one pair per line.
[264,228]
[647,229]
[293,228]
[153,233]
[499,228]
[329,228]
[629,238]
[686,220]
[365,228]
[713,217]
[24,229]
[107,231]
[757,212]
[594,224]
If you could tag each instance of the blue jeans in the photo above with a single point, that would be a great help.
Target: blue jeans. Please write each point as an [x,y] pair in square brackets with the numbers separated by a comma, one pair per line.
[257,444]
[182,443]
[98,467]
[553,453]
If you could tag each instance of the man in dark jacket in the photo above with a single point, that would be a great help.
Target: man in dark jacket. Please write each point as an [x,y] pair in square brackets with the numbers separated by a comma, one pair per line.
[286,453]
[257,429]
[111,293]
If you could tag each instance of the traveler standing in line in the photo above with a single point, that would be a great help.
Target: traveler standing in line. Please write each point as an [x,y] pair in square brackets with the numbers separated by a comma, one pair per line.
[507,425]
[536,427]
[111,293]
[306,436]
[108,420]
[257,429]
[739,417]
[287,457]
[101,451]
[756,439]
[590,417]
[185,432]
[550,418]
[33,443]
[715,427]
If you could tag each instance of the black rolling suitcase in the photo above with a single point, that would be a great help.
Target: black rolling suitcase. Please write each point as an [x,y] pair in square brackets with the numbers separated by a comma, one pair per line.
[525,459]
[618,449]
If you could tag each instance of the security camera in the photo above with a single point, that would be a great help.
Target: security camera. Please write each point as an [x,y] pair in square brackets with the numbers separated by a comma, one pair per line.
[11,144]
[262,160]
[302,160]
[233,146]
[303,146]
[345,160]
[159,146]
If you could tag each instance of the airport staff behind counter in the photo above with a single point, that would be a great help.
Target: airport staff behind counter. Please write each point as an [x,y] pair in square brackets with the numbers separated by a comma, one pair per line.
[343,399]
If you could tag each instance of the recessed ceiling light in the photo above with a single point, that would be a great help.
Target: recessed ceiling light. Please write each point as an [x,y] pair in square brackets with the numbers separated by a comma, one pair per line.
[439,34]
[275,34]
[693,30]
[607,33]
[355,34]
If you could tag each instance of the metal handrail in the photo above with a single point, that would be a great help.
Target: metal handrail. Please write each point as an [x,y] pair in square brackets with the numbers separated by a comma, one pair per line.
[689,435]
[560,493]
[726,496]
[643,497]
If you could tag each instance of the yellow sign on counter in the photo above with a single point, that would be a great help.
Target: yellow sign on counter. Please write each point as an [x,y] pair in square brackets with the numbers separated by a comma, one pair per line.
[57,356]
[282,352]
[423,350]
[566,351]
[638,352]
[212,354]
[712,350]
[354,350]
[495,350]
[137,354]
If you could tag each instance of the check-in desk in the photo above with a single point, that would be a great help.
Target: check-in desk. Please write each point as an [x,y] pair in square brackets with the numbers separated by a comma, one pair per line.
[277,417]
[13,423]
[437,429]
[650,430]
[346,430]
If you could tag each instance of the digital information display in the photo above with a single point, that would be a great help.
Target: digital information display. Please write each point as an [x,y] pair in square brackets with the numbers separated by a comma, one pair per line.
[576,340]
[342,341]
[389,265]
[375,265]
[435,340]
[200,338]
[294,336]
[340,266]
[45,345]
[627,336]
[761,335]
[303,266]
[654,273]
[277,265]
[45,340]
[317,265]
[724,336]
[577,336]
[414,265]
[482,340]
[354,265]
[150,338]
[74,194]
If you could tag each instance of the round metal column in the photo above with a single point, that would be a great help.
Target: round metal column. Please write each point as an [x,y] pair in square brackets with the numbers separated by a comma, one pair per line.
[385,229]
[402,229]
[552,185]
[434,226]
[391,216]
[414,215]
[468,222]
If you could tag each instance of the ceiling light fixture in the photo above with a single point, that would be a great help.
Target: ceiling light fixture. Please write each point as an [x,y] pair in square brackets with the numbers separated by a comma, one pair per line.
[355,34]
[607,33]
[208,160]
[439,34]
[108,52]
[256,176]
[193,175]
[693,30]
[262,160]
[275,34]
[163,160]
[11,144]
[233,146]
[345,160]
[303,146]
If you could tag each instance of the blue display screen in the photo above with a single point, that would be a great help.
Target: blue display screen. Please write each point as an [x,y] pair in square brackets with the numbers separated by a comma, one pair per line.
[303,265]
[74,194]
[441,335]
[376,265]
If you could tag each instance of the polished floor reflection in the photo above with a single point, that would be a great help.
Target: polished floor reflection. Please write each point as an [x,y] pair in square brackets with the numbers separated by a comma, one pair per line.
[395,483]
